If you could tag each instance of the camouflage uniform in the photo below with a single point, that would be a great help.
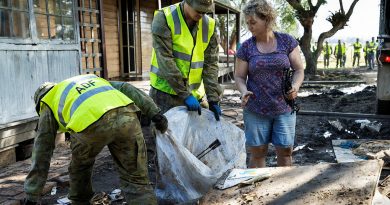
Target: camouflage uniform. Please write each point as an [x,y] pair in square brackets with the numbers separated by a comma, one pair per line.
[162,43]
[119,129]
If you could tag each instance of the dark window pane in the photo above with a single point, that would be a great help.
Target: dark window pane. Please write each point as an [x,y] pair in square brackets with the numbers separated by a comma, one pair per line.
[125,60]
[20,4]
[21,24]
[131,60]
[124,33]
[40,6]
[66,7]
[4,3]
[123,10]
[131,9]
[68,29]
[131,35]
[4,23]
[42,27]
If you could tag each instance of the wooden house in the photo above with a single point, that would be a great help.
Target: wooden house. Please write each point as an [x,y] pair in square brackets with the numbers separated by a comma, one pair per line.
[51,40]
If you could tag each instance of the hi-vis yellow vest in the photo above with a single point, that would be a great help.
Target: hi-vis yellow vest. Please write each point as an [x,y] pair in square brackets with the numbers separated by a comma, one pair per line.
[80,101]
[189,58]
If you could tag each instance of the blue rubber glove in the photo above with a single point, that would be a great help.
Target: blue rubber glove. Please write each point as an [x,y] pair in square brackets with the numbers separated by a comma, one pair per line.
[213,106]
[192,104]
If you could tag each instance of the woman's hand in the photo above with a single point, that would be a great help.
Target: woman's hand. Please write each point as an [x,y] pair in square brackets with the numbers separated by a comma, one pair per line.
[245,97]
[292,94]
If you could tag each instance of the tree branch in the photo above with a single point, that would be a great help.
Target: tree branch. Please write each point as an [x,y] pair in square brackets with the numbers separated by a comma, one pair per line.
[341,7]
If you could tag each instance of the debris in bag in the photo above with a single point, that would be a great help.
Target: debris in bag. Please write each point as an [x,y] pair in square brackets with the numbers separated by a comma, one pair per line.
[211,147]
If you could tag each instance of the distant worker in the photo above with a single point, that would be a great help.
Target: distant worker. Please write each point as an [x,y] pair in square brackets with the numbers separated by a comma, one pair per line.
[371,54]
[338,53]
[96,113]
[326,51]
[357,46]
[377,53]
[314,47]
[185,57]
[365,50]
[344,53]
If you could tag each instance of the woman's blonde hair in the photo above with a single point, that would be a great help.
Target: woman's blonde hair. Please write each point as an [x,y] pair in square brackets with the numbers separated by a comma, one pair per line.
[263,10]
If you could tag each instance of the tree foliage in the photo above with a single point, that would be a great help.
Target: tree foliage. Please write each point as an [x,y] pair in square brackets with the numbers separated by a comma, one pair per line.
[305,12]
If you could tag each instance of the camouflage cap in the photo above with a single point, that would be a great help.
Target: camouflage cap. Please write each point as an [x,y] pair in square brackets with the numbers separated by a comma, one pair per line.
[40,92]
[203,6]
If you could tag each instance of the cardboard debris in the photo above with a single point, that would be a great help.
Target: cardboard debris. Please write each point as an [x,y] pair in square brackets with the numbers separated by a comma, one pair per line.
[243,177]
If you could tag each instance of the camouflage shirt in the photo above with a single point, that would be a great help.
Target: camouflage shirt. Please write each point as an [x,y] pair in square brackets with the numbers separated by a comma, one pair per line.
[47,129]
[162,43]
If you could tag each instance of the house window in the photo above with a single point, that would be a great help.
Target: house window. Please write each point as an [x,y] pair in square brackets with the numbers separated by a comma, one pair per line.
[128,33]
[54,19]
[14,19]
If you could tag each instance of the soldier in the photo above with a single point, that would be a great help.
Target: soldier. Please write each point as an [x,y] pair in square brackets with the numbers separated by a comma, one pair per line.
[344,53]
[338,52]
[365,50]
[371,53]
[96,113]
[185,57]
[357,46]
[326,51]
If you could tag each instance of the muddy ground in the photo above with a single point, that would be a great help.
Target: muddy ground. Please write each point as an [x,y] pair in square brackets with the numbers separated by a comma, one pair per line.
[310,130]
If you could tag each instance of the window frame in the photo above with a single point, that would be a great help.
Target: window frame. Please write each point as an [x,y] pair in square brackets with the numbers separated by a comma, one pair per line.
[34,39]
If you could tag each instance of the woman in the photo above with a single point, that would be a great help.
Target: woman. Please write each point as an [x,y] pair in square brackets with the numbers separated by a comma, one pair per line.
[261,61]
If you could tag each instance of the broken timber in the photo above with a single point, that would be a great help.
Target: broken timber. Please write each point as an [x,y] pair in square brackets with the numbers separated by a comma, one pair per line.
[342,183]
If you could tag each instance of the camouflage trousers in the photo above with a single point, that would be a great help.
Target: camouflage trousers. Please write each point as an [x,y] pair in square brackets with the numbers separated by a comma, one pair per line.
[165,101]
[120,130]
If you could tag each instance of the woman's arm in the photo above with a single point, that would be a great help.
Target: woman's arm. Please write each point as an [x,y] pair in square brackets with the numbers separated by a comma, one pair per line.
[240,76]
[297,65]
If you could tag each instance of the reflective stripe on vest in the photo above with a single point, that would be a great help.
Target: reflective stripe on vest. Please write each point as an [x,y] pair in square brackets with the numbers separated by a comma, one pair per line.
[189,58]
[80,101]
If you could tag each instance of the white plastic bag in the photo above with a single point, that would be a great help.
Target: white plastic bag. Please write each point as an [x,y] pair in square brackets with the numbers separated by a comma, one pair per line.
[183,177]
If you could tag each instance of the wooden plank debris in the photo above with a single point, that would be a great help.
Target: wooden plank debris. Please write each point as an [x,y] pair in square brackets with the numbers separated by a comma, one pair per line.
[342,183]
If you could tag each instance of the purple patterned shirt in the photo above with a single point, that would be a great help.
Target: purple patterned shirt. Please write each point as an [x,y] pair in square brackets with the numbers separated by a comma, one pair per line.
[265,74]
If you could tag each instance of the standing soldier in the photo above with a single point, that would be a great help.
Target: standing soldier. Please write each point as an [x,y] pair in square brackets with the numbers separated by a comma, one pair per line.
[338,52]
[365,50]
[344,53]
[356,52]
[185,57]
[326,51]
[371,54]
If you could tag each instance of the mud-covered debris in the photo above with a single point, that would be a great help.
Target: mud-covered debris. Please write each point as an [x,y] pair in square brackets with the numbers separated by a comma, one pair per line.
[336,124]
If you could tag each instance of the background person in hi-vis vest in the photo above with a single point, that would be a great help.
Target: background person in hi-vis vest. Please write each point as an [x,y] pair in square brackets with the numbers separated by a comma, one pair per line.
[96,113]
[184,65]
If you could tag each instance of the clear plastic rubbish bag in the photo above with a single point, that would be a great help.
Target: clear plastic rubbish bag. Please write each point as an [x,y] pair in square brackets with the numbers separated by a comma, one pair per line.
[182,176]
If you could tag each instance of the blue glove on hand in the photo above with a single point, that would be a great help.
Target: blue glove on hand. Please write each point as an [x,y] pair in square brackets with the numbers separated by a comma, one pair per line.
[192,104]
[213,106]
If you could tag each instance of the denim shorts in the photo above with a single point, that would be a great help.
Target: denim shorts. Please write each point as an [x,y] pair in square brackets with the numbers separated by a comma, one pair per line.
[262,130]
